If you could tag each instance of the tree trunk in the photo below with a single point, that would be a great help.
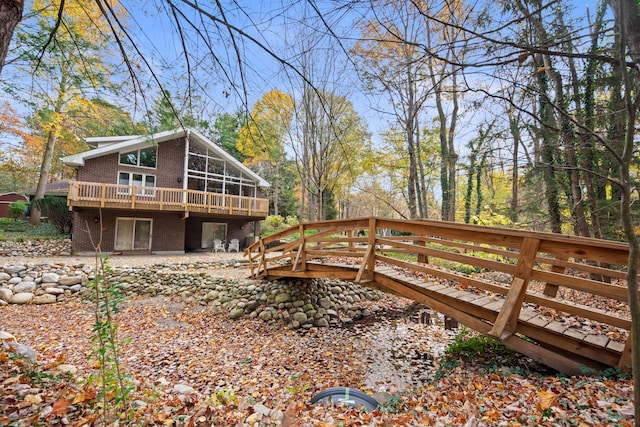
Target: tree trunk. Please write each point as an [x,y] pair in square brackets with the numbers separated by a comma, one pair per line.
[413,170]
[515,133]
[627,17]
[421,191]
[453,156]
[582,227]
[276,191]
[45,172]
[548,158]
[10,15]
[469,193]
[588,152]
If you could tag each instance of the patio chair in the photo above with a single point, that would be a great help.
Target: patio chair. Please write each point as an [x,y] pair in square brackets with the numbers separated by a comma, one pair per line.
[234,244]
[218,245]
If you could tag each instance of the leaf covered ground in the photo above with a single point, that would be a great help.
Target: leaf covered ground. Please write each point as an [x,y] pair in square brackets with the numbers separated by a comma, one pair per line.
[192,366]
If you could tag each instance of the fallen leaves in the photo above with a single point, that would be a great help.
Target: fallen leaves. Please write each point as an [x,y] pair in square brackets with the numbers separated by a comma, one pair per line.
[250,372]
[546,399]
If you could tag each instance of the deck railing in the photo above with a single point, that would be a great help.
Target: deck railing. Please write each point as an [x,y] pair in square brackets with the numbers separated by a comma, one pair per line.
[571,279]
[113,196]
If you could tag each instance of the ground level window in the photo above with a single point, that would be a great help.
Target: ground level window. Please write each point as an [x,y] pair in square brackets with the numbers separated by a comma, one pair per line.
[212,231]
[133,234]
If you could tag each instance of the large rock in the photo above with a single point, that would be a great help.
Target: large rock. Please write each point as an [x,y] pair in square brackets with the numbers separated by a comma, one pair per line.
[236,313]
[4,277]
[50,278]
[22,298]
[265,315]
[300,317]
[9,342]
[44,299]
[325,302]
[24,287]
[69,280]
[5,294]
[13,269]
[283,297]
[22,349]
[6,336]
[322,322]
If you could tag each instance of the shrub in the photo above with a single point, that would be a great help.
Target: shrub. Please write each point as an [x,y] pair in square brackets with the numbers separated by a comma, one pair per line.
[18,209]
[275,223]
[291,221]
[56,210]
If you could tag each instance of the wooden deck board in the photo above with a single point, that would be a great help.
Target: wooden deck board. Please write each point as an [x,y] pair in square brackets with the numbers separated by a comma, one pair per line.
[597,340]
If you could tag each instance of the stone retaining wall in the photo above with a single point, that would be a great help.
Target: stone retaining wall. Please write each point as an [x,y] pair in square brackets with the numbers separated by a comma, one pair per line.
[296,303]
[36,248]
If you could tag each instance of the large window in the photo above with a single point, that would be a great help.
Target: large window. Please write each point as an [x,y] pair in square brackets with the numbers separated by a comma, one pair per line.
[208,172]
[212,231]
[137,180]
[145,157]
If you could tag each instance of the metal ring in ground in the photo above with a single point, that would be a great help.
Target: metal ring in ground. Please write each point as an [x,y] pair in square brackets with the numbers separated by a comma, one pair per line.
[346,396]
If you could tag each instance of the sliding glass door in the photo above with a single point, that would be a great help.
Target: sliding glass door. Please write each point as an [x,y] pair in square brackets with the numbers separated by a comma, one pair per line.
[133,234]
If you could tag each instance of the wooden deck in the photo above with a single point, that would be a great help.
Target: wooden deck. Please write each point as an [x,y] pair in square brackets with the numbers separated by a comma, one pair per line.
[111,196]
[561,300]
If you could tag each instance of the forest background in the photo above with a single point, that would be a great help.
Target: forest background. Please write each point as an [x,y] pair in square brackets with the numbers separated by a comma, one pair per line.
[403,109]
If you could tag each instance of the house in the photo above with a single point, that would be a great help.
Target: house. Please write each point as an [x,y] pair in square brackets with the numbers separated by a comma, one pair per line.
[53,189]
[169,192]
[6,199]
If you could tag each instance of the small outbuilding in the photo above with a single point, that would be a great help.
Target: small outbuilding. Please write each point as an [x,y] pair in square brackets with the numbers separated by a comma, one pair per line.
[6,199]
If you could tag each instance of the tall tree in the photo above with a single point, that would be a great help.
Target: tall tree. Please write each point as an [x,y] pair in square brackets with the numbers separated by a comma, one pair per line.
[627,14]
[67,71]
[261,139]
[328,147]
[392,64]
[227,127]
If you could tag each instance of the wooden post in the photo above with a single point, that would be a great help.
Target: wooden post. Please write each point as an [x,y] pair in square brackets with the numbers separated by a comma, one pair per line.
[371,259]
[423,258]
[133,197]
[302,249]
[263,259]
[625,358]
[550,289]
[508,316]
[103,195]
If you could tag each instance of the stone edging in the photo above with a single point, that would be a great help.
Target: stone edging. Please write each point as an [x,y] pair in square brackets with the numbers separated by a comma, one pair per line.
[36,248]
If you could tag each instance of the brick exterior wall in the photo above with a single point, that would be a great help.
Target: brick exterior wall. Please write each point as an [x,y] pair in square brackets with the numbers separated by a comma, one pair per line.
[169,166]
[167,229]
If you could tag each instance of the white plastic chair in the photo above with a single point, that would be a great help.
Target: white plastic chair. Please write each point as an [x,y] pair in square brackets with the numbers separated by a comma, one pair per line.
[218,245]
[234,244]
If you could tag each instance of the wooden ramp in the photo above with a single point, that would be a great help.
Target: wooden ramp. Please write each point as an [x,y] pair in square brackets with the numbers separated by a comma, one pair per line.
[561,300]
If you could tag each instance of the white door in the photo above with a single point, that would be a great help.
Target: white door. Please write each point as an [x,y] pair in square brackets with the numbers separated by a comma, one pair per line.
[212,231]
[133,234]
